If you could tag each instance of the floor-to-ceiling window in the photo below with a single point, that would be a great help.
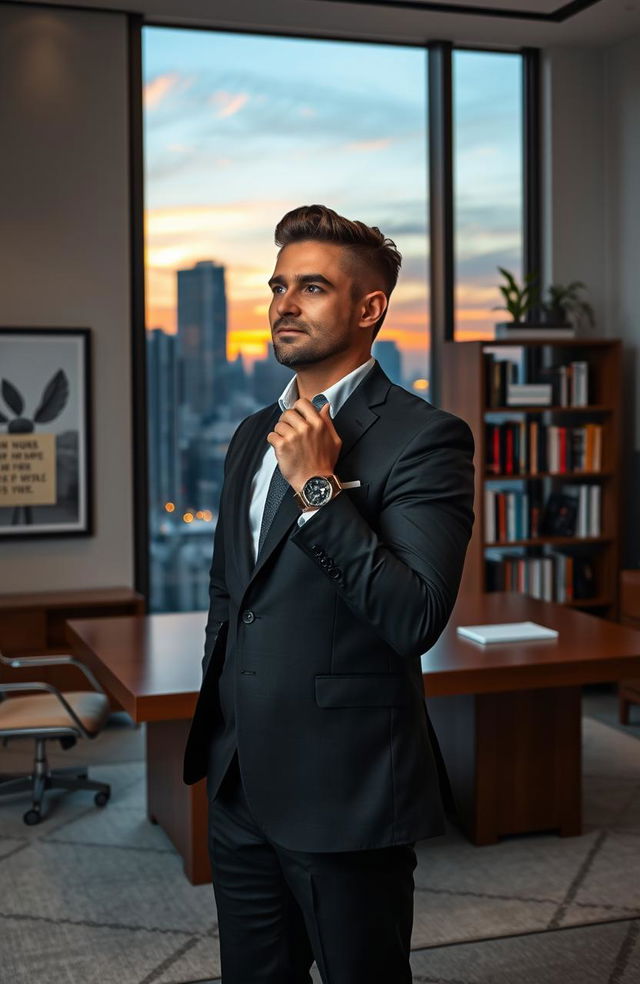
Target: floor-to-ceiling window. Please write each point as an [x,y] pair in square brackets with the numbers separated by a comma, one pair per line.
[488,191]
[238,129]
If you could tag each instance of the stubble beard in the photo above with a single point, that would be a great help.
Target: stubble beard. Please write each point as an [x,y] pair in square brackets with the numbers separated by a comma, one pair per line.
[306,353]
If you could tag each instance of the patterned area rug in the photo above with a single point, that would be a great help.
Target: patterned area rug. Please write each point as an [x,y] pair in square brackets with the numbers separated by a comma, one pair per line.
[100,896]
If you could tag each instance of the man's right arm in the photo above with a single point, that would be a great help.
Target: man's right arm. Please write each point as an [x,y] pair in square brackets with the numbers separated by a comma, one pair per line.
[217,622]
[218,596]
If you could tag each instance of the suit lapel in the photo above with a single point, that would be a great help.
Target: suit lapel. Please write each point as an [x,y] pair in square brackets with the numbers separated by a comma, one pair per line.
[249,460]
[353,420]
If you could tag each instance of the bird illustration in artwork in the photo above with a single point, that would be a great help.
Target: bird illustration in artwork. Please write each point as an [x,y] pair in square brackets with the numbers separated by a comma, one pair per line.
[53,401]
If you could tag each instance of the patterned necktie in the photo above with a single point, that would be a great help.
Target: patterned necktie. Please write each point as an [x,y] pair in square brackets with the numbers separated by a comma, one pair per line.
[278,487]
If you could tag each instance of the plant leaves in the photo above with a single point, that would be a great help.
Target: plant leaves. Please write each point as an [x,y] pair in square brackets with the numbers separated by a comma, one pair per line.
[12,397]
[3,419]
[508,277]
[54,398]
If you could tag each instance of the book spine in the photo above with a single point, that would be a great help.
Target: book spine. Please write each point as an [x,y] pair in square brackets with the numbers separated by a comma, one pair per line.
[597,447]
[510,451]
[511,516]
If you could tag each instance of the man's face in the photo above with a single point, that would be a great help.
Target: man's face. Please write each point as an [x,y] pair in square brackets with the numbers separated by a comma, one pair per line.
[314,313]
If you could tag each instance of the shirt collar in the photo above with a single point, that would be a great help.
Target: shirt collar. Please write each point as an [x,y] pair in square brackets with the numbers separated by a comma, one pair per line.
[337,394]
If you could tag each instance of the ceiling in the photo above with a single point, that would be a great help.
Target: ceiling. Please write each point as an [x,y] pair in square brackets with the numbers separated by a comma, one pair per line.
[498,23]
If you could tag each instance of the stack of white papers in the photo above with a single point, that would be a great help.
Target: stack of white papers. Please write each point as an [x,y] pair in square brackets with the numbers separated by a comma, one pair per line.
[506,632]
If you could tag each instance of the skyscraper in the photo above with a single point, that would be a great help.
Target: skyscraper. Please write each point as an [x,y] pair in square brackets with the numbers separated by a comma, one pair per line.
[164,477]
[388,355]
[202,337]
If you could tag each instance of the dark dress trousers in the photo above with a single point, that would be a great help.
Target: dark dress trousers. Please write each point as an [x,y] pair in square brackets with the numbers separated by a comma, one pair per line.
[311,672]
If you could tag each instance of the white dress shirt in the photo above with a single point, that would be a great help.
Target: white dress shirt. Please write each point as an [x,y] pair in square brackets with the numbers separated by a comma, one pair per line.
[337,394]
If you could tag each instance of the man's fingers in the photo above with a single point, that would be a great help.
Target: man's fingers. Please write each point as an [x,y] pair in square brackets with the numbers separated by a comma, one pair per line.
[292,419]
[306,409]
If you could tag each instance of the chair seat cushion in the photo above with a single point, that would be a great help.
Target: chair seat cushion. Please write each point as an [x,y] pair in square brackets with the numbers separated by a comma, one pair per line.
[46,711]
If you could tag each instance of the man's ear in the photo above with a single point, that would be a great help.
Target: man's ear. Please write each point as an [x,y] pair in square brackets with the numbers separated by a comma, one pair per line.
[372,308]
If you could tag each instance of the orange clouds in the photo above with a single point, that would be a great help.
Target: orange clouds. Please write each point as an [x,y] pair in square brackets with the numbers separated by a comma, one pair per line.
[156,90]
[228,103]
[366,146]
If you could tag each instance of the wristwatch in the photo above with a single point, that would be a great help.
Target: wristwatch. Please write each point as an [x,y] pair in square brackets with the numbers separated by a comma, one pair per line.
[317,491]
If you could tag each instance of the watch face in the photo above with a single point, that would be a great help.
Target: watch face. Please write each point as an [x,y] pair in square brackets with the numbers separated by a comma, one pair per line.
[317,490]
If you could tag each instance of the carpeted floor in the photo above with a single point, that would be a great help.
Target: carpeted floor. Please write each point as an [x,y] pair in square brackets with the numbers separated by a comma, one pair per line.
[96,895]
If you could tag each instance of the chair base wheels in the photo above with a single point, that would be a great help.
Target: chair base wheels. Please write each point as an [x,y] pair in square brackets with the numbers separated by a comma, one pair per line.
[31,817]
[101,798]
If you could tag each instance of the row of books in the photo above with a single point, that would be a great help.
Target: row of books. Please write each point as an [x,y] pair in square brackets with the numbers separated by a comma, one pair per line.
[506,385]
[520,447]
[557,577]
[510,516]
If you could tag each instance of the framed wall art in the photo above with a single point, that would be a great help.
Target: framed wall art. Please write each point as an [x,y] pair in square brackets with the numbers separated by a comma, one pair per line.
[45,432]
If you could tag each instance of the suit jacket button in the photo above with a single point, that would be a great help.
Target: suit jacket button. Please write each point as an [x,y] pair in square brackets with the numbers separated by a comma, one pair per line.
[317,550]
[335,573]
[248,617]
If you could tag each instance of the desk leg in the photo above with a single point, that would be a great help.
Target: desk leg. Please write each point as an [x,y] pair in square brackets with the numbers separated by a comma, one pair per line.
[514,760]
[180,810]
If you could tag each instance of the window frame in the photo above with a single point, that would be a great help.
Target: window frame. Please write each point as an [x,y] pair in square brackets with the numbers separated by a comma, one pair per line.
[441,222]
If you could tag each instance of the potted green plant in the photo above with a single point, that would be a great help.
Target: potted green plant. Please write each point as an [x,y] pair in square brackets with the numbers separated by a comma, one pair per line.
[565,306]
[519,301]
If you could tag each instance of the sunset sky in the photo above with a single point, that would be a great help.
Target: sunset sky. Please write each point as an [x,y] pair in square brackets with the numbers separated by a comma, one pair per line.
[241,128]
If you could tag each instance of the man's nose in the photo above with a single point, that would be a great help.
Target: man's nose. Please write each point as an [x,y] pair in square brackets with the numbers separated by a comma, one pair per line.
[287,304]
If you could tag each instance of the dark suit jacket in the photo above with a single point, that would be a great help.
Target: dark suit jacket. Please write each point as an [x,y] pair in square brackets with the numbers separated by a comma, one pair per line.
[312,656]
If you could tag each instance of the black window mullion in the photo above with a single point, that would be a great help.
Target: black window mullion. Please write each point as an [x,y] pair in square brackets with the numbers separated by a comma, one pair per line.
[531,159]
[140,515]
[440,204]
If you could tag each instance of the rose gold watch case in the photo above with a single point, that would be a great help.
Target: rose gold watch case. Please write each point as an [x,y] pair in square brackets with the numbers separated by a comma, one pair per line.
[301,499]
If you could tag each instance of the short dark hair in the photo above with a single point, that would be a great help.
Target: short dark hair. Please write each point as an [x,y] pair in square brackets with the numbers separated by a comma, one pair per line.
[365,243]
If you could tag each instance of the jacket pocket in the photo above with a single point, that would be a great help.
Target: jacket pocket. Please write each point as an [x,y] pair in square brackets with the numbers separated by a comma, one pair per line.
[363,690]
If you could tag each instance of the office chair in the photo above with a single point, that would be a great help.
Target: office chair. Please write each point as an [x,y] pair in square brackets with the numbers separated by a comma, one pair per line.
[44,714]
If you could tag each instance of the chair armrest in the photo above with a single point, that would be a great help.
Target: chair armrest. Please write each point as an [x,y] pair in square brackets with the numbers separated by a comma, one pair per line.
[23,662]
[47,688]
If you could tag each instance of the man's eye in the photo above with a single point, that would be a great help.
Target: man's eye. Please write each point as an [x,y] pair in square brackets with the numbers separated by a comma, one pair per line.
[313,288]
[277,288]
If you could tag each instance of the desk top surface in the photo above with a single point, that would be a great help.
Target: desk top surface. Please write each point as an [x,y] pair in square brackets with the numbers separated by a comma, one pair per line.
[152,663]
[89,597]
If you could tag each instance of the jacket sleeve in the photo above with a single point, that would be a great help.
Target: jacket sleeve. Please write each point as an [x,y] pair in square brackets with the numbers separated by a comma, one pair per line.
[403,577]
[218,619]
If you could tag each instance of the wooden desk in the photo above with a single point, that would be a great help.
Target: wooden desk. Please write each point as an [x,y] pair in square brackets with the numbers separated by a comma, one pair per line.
[152,665]
[507,717]
[34,624]
[629,691]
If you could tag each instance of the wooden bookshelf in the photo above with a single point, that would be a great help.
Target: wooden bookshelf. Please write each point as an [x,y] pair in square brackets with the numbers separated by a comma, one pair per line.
[464,392]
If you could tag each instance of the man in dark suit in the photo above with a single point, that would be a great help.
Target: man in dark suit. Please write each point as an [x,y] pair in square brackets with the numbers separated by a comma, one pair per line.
[344,519]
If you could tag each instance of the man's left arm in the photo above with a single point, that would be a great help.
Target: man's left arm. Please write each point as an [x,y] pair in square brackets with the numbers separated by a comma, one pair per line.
[403,578]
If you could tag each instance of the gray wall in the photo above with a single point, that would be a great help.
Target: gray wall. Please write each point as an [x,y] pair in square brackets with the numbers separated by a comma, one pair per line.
[64,254]
[622,143]
[592,213]
[573,173]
